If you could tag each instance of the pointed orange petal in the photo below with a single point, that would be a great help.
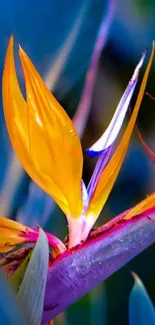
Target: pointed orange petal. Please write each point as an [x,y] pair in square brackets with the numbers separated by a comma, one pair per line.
[110,173]
[11,234]
[146,204]
[49,150]
[13,114]
[15,111]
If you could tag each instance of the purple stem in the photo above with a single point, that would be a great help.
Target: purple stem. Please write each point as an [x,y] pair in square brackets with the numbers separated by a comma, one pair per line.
[76,272]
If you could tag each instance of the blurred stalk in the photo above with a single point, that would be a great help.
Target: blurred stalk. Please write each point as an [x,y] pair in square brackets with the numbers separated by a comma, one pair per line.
[98,314]
[61,319]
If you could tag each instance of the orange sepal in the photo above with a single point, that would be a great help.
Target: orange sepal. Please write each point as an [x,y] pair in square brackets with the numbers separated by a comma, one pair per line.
[42,135]
[11,234]
[146,205]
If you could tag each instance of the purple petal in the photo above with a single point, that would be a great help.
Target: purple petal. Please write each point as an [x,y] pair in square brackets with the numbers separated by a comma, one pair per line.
[101,163]
[81,115]
[76,272]
[111,133]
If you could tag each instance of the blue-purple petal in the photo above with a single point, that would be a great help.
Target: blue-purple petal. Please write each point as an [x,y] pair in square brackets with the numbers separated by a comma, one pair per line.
[101,163]
[111,133]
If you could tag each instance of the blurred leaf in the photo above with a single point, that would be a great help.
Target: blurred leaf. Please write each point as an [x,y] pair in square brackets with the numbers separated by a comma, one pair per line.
[63,54]
[37,207]
[146,147]
[43,33]
[16,278]
[98,311]
[83,109]
[9,313]
[79,58]
[32,290]
[141,309]
[136,25]
[61,320]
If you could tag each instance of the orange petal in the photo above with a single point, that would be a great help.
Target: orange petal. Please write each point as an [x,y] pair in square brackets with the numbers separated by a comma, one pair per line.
[11,234]
[18,116]
[110,173]
[147,204]
[43,136]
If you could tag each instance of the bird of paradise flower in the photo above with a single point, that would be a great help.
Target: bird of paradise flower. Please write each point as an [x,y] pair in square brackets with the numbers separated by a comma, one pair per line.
[49,149]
